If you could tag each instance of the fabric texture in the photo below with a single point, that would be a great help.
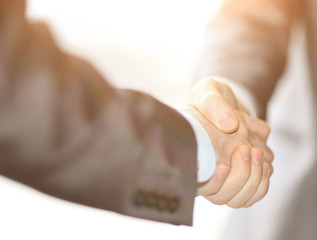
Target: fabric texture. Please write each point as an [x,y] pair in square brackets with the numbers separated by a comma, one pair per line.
[66,132]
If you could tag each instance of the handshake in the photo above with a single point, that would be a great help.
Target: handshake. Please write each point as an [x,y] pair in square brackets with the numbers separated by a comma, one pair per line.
[243,160]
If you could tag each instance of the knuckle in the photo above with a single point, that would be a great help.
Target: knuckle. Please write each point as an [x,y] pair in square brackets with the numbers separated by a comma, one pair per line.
[270,155]
[200,91]
[266,130]
[213,98]
[216,84]
[206,103]
[224,87]
[209,101]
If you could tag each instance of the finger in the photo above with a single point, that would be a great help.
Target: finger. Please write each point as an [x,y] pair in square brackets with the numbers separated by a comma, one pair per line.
[258,126]
[263,188]
[214,184]
[216,109]
[259,143]
[251,187]
[216,102]
[238,176]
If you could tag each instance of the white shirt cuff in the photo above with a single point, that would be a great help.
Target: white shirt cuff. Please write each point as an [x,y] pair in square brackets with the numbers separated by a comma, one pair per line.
[242,94]
[205,152]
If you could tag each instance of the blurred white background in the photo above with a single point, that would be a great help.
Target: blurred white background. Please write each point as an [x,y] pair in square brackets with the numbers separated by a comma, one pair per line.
[153,46]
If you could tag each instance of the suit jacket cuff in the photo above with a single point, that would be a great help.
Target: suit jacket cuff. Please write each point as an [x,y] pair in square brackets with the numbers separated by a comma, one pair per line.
[205,152]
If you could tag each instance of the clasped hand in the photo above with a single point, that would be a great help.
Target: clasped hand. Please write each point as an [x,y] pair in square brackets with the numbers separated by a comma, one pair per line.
[244,162]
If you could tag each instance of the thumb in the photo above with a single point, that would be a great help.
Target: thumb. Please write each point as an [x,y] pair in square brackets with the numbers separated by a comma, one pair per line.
[216,109]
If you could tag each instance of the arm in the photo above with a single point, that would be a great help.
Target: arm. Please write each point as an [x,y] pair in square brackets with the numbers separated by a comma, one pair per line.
[65,131]
[247,43]
[68,133]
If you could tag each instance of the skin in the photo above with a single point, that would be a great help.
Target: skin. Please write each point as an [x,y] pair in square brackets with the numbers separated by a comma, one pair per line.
[244,162]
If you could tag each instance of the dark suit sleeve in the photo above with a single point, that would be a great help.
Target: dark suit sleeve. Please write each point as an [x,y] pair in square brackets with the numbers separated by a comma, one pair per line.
[247,42]
[66,132]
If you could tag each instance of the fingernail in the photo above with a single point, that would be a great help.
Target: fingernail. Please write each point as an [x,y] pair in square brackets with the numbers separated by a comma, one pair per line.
[245,152]
[223,172]
[228,121]
[266,170]
[257,156]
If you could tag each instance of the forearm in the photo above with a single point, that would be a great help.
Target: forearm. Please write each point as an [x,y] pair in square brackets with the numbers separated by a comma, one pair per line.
[247,42]
[65,131]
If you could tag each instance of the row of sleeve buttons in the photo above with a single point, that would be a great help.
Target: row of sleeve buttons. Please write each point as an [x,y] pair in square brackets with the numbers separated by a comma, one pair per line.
[156,201]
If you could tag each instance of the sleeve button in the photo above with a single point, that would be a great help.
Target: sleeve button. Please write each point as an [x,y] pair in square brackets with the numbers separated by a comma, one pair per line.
[173,205]
[139,198]
[151,200]
[161,203]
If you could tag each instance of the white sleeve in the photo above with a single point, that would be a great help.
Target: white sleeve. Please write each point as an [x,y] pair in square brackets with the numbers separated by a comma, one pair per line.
[243,95]
[205,152]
